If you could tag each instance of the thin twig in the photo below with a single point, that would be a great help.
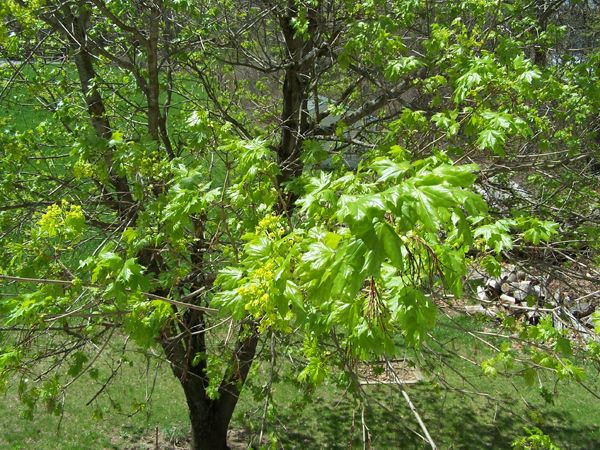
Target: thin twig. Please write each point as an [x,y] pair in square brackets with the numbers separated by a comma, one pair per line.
[92,286]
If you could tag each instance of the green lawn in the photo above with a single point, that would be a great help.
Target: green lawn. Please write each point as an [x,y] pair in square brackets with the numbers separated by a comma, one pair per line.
[123,415]
[454,419]
[329,418]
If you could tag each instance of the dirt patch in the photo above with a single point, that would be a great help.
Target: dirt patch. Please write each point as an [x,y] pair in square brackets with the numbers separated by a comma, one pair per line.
[237,439]
[398,371]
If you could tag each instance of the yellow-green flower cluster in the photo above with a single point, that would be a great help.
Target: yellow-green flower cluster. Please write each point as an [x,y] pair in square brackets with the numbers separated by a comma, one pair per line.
[144,163]
[271,226]
[64,220]
[259,296]
[151,165]
[83,169]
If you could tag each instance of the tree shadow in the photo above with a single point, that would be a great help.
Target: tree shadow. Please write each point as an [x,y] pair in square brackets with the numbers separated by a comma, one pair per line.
[454,422]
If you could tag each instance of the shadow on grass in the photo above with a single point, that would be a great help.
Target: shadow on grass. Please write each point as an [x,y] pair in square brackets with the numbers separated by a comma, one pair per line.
[454,422]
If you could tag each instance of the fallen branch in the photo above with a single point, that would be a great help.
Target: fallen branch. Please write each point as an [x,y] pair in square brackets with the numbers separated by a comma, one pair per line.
[411,406]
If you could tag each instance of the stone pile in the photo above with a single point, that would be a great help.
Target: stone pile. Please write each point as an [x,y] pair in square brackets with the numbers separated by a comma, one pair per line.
[520,293]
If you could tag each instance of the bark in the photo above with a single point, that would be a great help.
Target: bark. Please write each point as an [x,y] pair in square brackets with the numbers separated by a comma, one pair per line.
[74,27]
[153,78]
[294,116]
[241,362]
[157,126]
[209,431]
[209,418]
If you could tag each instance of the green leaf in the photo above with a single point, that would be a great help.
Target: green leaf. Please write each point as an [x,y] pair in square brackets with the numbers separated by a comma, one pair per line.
[332,240]
[132,275]
[105,264]
[359,211]
[492,139]
[596,321]
[415,313]
[374,257]
[439,196]
[529,76]
[392,244]
[529,376]
[401,67]
[496,235]
[488,368]
[390,170]
[491,266]
[456,175]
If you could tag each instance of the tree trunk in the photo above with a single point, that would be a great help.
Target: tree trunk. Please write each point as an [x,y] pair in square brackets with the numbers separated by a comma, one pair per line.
[294,114]
[74,28]
[209,428]
[209,417]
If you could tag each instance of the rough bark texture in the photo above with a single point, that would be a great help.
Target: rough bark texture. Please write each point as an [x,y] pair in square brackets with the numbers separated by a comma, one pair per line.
[209,418]
[74,27]
[208,430]
[294,116]
[153,78]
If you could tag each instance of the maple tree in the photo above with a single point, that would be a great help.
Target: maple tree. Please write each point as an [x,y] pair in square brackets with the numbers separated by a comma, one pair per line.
[275,167]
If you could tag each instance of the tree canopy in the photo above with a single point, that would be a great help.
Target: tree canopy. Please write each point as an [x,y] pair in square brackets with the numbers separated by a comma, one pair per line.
[204,176]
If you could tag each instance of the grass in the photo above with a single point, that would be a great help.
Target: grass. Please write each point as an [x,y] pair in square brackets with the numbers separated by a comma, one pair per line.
[120,417]
[332,418]
[328,418]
